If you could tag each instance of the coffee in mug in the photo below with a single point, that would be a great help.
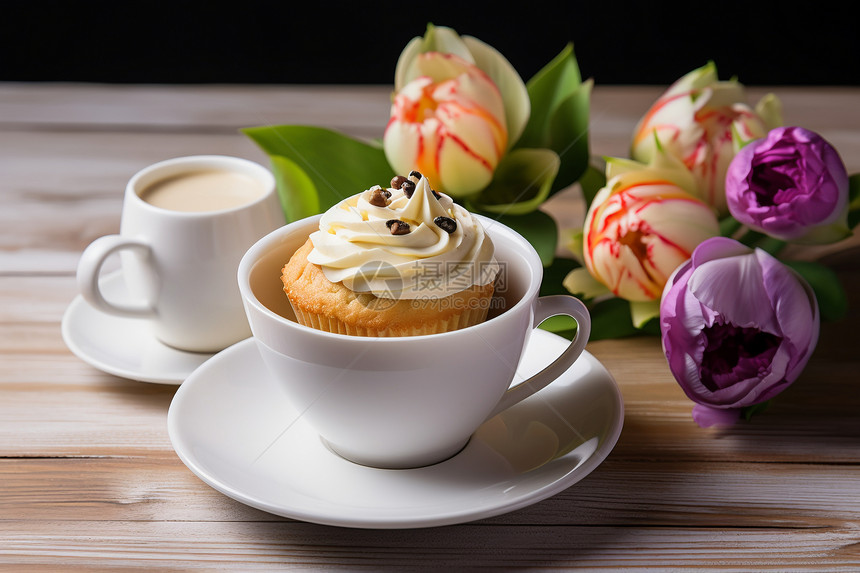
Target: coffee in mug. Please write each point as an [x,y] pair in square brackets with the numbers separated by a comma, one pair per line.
[186,222]
[204,190]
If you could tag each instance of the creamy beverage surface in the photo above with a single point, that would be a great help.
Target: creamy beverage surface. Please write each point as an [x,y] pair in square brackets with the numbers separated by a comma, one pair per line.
[205,190]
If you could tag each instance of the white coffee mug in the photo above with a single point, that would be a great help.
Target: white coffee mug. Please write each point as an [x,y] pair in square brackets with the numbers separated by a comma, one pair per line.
[179,260]
[405,401]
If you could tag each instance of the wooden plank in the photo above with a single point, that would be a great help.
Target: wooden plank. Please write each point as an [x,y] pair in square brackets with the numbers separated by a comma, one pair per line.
[94,106]
[678,494]
[358,110]
[40,299]
[202,108]
[181,546]
[49,411]
[58,405]
[31,338]
[53,402]
[46,220]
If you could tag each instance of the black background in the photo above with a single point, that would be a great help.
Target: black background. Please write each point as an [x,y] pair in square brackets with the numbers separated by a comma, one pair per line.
[329,43]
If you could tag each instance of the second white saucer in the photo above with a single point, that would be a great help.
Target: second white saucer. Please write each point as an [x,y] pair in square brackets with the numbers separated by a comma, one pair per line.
[124,347]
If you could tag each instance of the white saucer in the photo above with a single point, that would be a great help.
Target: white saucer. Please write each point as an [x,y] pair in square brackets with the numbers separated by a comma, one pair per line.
[124,347]
[232,426]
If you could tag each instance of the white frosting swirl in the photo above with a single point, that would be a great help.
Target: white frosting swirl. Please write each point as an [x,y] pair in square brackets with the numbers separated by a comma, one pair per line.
[356,247]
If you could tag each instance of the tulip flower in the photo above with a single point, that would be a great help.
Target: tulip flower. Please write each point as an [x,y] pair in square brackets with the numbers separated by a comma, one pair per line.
[449,126]
[738,327]
[791,185]
[642,225]
[696,120]
[458,107]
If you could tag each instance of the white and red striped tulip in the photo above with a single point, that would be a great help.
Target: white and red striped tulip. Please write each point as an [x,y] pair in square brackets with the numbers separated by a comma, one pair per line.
[699,120]
[449,124]
[642,225]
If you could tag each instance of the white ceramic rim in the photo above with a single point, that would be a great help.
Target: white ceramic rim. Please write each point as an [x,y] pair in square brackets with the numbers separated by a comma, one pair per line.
[271,240]
[169,167]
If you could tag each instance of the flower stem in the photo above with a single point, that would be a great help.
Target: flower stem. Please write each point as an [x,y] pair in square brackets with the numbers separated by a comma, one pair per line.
[761,241]
[771,245]
[729,226]
[748,412]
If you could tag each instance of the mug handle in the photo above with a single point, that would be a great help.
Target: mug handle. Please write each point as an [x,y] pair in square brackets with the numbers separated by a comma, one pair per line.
[548,306]
[89,269]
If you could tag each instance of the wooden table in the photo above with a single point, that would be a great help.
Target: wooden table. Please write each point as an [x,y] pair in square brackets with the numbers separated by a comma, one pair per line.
[88,477]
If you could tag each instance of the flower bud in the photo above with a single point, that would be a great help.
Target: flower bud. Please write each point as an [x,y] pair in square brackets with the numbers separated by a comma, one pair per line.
[790,185]
[641,226]
[449,124]
[696,120]
[738,327]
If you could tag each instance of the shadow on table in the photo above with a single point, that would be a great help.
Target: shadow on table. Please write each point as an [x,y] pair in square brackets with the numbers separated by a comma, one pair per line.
[144,395]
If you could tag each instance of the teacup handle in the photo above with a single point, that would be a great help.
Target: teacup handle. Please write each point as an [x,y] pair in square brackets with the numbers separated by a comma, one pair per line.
[89,269]
[546,307]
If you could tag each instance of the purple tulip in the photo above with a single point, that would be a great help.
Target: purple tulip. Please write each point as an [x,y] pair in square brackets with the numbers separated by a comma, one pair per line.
[791,185]
[738,328]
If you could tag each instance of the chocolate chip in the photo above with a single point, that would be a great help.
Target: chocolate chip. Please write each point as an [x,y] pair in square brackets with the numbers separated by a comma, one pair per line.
[416,174]
[379,197]
[397,181]
[397,227]
[408,188]
[447,224]
[436,194]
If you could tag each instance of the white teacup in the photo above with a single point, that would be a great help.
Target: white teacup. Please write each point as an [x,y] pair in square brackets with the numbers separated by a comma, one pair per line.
[186,222]
[405,401]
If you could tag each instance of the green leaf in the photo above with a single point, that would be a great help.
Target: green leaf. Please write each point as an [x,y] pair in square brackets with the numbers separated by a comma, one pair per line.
[537,227]
[652,327]
[562,325]
[320,161]
[554,274]
[520,184]
[611,319]
[749,411]
[568,136]
[554,83]
[832,300]
[573,241]
[296,191]
[560,107]
[553,278]
[581,283]
[641,313]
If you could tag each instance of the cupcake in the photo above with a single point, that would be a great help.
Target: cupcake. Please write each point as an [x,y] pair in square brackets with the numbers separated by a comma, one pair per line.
[397,261]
